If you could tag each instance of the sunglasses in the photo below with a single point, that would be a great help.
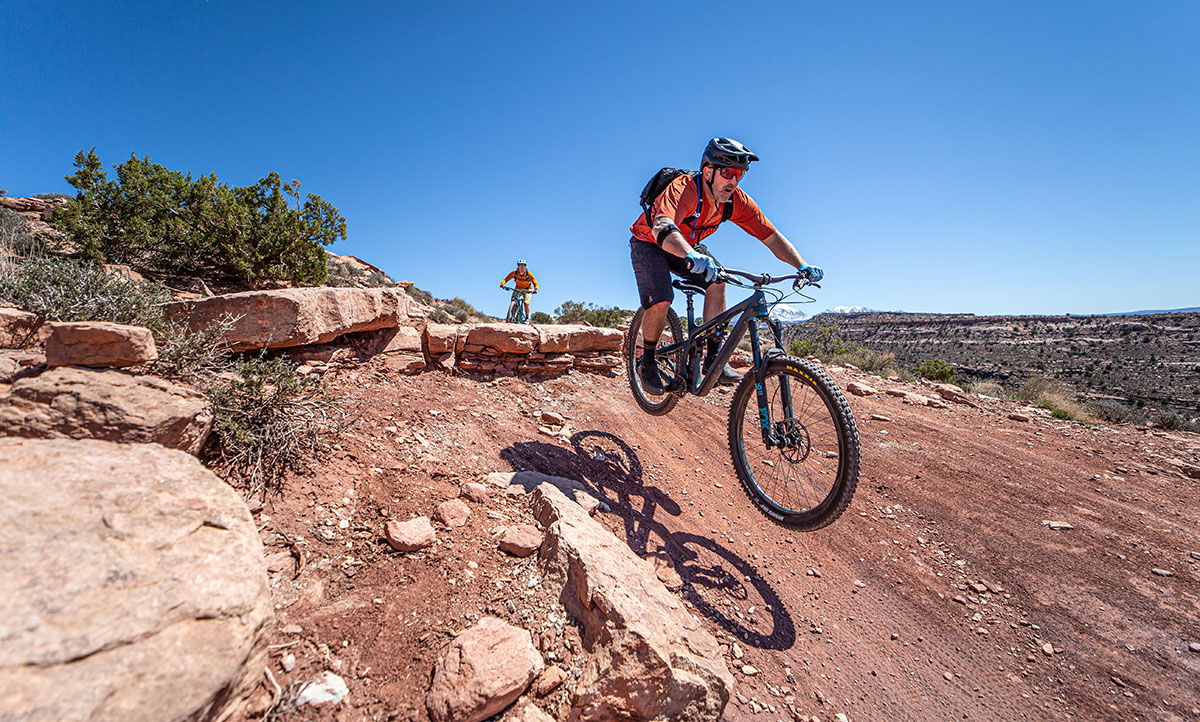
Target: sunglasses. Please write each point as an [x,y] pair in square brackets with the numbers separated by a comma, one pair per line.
[731,173]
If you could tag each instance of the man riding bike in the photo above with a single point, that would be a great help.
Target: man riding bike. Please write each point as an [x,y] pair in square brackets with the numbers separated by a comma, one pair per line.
[524,281]
[667,240]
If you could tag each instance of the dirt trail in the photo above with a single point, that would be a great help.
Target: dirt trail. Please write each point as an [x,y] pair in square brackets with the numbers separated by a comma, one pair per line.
[941,594]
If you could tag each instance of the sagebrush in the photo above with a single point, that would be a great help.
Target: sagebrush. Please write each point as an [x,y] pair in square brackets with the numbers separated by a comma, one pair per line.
[267,419]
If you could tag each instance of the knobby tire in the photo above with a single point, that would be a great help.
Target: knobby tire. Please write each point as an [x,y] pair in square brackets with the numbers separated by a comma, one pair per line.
[672,333]
[789,485]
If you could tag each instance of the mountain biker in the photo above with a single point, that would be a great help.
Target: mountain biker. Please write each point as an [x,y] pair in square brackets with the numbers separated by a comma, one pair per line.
[672,240]
[523,280]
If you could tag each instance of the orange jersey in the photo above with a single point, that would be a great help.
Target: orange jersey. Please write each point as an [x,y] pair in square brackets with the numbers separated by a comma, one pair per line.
[678,201]
[523,281]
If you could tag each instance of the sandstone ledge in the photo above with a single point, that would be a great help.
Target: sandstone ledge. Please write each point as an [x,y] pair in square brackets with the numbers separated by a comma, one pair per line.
[135,588]
[637,634]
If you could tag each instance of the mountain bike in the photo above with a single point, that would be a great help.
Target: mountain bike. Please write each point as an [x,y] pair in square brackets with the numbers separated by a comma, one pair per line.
[516,307]
[791,433]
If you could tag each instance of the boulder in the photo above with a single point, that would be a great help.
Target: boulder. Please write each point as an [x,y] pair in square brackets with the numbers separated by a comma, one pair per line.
[950,392]
[441,338]
[482,671]
[411,535]
[861,389]
[521,540]
[648,657]
[401,339]
[516,338]
[405,363]
[18,329]
[134,585]
[294,316]
[110,405]
[13,363]
[575,338]
[99,343]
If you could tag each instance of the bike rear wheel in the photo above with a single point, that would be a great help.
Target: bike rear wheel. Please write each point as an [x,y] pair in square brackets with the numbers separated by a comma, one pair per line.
[654,404]
[806,481]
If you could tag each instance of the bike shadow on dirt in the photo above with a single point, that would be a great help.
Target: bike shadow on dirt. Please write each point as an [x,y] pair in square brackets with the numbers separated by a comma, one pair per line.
[720,584]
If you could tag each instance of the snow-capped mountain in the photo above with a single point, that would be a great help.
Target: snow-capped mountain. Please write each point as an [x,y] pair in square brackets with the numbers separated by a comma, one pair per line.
[849,309]
[788,315]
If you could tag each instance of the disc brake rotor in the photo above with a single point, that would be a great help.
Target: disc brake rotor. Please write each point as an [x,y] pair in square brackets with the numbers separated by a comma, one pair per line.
[792,440]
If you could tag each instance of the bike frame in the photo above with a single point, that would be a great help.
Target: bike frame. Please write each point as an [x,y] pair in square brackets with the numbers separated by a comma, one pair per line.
[749,314]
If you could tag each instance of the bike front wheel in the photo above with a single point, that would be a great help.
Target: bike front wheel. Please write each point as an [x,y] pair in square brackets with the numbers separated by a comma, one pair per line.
[655,404]
[806,477]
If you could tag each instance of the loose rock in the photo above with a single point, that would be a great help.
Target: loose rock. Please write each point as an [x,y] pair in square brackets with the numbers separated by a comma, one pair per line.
[410,536]
[453,513]
[482,671]
[326,689]
[521,540]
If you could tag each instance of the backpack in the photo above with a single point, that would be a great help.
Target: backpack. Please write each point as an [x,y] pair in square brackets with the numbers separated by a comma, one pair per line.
[656,185]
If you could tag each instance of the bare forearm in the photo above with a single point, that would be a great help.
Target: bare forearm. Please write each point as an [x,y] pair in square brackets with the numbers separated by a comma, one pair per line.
[673,242]
[783,249]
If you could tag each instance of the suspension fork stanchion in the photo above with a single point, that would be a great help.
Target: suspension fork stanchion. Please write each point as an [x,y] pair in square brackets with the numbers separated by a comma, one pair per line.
[785,385]
[760,380]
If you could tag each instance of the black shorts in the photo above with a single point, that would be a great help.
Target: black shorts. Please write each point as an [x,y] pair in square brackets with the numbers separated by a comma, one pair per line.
[652,266]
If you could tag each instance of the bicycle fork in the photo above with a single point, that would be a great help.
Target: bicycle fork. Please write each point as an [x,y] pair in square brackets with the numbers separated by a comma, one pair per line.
[760,387]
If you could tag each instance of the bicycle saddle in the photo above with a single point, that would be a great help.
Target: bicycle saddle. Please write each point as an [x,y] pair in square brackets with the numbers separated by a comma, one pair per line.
[687,287]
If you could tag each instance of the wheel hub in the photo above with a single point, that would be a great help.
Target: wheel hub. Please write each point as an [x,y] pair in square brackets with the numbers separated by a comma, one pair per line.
[791,437]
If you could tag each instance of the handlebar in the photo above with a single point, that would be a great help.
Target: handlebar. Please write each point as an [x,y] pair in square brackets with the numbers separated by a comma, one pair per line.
[758,279]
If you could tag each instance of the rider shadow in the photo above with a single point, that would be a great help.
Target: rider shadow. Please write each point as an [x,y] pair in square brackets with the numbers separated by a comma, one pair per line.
[712,575]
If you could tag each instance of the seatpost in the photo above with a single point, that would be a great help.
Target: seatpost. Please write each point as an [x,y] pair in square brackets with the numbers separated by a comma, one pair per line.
[691,313]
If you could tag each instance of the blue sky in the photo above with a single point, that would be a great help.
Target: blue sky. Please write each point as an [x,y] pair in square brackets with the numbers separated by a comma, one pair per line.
[1039,157]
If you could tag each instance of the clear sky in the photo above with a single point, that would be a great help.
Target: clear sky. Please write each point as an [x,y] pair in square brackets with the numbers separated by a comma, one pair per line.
[1015,157]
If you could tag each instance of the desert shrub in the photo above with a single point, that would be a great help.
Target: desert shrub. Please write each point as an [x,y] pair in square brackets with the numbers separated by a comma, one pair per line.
[803,347]
[159,220]
[346,274]
[17,241]
[541,317]
[461,305]
[1113,411]
[438,315]
[1053,395]
[424,297]
[936,369]
[63,289]
[987,388]
[266,420]
[197,357]
[576,312]
[1172,421]
[51,196]
[870,361]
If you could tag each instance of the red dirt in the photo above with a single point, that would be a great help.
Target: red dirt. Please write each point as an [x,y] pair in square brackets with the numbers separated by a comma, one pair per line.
[861,615]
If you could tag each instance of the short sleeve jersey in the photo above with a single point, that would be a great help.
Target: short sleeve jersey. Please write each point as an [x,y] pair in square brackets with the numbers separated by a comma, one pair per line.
[678,201]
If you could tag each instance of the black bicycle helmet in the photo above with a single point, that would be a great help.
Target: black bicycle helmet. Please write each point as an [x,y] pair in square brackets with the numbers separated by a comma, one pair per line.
[727,153]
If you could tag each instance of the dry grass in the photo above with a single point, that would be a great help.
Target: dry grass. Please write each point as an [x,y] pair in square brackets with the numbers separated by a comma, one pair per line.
[1053,395]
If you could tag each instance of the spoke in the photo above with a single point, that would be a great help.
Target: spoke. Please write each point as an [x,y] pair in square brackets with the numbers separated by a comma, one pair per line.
[803,484]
